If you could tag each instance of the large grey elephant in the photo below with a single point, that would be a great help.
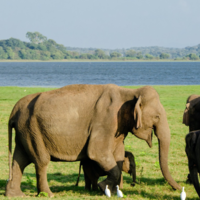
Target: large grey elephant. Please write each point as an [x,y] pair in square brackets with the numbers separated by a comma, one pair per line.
[77,122]
[192,149]
[92,171]
[191,116]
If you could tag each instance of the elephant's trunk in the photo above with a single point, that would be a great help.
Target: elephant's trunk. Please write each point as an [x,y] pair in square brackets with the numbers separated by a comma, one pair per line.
[163,134]
[195,181]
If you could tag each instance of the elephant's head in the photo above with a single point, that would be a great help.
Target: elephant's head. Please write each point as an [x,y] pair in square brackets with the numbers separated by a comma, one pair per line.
[191,115]
[192,150]
[149,116]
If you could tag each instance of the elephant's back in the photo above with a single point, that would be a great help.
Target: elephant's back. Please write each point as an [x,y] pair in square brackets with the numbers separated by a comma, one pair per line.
[23,107]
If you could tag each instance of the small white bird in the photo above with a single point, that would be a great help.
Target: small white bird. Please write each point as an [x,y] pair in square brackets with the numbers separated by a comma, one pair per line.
[119,192]
[183,194]
[107,191]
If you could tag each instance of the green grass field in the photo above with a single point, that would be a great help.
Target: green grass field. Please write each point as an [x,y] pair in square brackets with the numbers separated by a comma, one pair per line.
[62,176]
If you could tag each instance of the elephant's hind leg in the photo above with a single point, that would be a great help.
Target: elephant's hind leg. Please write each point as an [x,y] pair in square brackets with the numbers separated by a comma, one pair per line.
[41,160]
[20,161]
[42,184]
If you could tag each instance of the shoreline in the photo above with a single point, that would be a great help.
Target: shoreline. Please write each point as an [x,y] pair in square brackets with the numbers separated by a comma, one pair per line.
[87,60]
[126,86]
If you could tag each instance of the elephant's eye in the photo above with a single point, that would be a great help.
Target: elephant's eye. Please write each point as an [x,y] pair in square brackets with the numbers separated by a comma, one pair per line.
[157,118]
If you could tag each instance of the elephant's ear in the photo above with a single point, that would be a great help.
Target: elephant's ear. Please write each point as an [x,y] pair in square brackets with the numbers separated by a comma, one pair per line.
[186,115]
[138,113]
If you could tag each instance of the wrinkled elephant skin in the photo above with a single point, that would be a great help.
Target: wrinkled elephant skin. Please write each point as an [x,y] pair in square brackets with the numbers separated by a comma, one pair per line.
[77,122]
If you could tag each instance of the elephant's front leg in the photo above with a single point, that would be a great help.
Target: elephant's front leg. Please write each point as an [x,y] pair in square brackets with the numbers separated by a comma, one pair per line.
[119,154]
[105,156]
[113,178]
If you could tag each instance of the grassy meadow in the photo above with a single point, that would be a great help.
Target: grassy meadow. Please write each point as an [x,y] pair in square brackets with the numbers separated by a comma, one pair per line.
[62,176]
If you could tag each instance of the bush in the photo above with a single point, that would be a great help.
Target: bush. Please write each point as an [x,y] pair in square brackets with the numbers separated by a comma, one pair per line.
[149,56]
[193,56]
[164,56]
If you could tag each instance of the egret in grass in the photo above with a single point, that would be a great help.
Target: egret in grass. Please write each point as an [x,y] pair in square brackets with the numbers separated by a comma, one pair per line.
[119,192]
[183,194]
[107,191]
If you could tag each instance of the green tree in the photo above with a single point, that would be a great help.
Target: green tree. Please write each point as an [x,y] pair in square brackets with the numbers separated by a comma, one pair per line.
[164,56]
[36,37]
[100,53]
[131,53]
[42,47]
[57,55]
[51,45]
[149,56]
[61,47]
[193,56]
[14,43]
[45,55]
[115,54]
[74,54]
[23,54]
[34,55]
[3,54]
[10,53]
[91,56]
[139,55]
[83,56]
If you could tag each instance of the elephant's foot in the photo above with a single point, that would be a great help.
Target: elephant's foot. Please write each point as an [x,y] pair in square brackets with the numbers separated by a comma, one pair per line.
[112,180]
[88,187]
[95,187]
[12,191]
[111,186]
[132,184]
[102,186]
[50,194]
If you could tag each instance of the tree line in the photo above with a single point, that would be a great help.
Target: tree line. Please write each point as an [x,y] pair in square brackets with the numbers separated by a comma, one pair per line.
[41,48]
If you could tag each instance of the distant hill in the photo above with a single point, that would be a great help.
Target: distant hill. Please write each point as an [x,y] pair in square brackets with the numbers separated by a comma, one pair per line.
[41,48]
[153,50]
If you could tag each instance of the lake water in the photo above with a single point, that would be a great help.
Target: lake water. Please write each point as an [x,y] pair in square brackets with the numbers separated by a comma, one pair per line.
[58,74]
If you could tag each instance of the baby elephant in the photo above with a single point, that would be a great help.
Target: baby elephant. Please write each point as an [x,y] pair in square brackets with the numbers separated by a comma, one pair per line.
[192,149]
[92,171]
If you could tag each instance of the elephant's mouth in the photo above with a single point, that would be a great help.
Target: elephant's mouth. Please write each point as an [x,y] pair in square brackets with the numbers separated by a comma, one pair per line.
[149,140]
[144,134]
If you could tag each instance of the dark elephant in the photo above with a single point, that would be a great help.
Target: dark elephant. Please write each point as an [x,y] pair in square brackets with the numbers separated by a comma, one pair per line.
[191,116]
[92,171]
[192,150]
[77,122]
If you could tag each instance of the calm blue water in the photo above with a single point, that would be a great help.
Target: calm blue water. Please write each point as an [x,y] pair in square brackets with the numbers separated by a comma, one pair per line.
[58,74]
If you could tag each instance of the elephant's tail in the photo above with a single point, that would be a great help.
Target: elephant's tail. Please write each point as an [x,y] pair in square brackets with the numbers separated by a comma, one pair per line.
[10,148]
[78,174]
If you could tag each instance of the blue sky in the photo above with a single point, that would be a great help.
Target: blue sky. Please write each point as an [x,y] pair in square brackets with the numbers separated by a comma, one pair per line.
[104,23]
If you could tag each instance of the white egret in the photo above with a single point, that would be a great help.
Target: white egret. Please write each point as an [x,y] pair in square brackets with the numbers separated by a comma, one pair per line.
[183,194]
[119,192]
[107,191]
